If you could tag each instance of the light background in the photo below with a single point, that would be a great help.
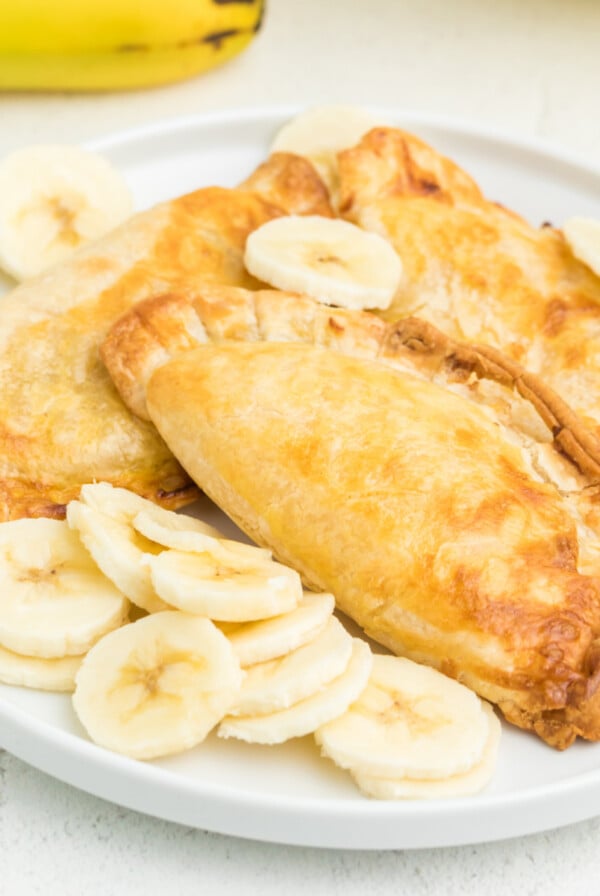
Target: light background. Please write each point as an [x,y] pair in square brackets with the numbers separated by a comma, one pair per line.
[526,67]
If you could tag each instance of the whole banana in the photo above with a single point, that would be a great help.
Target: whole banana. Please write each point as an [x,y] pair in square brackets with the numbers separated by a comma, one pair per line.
[112,44]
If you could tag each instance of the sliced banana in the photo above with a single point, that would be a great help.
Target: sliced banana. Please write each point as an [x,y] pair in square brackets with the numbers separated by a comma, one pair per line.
[56,674]
[53,200]
[200,583]
[258,642]
[320,133]
[583,237]
[184,533]
[279,683]
[306,716]
[157,686]
[54,602]
[466,784]
[119,551]
[124,505]
[331,260]
[410,722]
[118,545]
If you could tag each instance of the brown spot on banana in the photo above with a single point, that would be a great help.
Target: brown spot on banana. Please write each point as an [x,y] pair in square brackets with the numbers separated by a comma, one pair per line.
[215,38]
[260,4]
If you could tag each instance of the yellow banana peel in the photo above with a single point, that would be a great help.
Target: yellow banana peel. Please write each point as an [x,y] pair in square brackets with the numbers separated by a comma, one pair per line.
[113,44]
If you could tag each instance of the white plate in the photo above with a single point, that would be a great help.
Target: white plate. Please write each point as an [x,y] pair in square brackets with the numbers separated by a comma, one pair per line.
[288,794]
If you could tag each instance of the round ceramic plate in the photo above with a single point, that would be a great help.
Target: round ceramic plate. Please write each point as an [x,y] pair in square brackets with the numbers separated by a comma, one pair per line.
[288,794]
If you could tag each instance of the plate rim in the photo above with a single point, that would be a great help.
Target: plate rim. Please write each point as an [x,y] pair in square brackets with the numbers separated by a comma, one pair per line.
[549,148]
[17,724]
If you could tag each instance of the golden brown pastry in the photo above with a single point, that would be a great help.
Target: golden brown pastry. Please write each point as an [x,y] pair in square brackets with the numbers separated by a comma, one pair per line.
[160,328]
[155,330]
[290,183]
[62,422]
[474,269]
[433,519]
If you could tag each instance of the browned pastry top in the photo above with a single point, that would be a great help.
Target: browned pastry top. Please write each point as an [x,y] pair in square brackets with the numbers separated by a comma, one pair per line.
[474,269]
[164,326]
[421,510]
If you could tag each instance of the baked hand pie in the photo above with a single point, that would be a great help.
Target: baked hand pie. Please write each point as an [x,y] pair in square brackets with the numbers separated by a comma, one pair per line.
[162,327]
[62,422]
[474,269]
[437,524]
[157,329]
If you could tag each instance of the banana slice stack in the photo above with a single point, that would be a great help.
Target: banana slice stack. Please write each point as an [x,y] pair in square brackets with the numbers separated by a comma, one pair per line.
[157,686]
[293,694]
[224,637]
[300,666]
[414,734]
[55,604]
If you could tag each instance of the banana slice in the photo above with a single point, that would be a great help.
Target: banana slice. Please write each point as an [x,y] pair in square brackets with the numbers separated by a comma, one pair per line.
[320,133]
[258,642]
[53,200]
[199,583]
[466,784]
[119,551]
[184,533]
[57,674]
[117,545]
[278,684]
[55,602]
[331,260]
[583,237]
[307,715]
[157,686]
[410,722]
[123,505]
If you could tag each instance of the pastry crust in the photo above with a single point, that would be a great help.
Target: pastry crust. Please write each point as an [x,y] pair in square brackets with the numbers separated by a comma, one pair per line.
[474,269]
[62,422]
[419,509]
[160,328]
[292,184]
[164,326]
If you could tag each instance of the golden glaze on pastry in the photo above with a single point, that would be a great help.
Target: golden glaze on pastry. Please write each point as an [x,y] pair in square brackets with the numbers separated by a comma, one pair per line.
[62,422]
[474,269]
[163,327]
[423,513]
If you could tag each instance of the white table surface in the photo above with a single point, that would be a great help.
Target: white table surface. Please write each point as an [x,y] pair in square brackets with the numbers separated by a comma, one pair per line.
[528,67]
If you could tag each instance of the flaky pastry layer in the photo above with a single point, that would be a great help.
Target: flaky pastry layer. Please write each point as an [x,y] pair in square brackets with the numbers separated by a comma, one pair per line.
[160,328]
[475,269]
